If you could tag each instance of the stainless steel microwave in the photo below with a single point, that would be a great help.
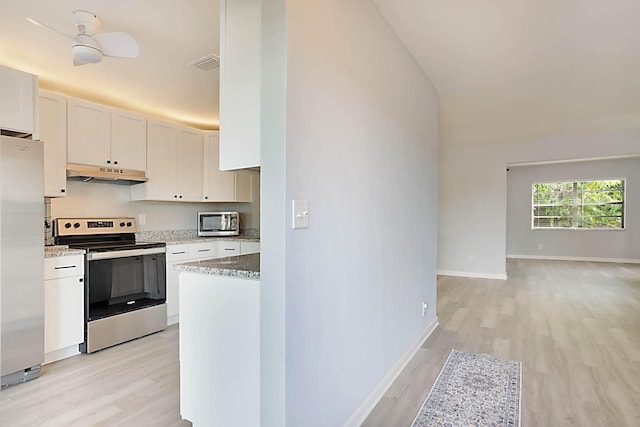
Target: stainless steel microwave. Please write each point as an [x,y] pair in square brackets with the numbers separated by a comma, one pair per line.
[218,223]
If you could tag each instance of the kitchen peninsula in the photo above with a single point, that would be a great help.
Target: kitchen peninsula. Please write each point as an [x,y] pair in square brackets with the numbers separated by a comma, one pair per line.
[220,340]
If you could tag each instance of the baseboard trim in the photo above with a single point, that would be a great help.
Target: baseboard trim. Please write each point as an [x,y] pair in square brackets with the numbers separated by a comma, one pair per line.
[54,356]
[172,320]
[365,408]
[472,274]
[573,258]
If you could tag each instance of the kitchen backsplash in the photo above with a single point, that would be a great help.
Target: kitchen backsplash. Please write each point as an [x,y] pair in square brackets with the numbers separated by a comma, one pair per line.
[48,229]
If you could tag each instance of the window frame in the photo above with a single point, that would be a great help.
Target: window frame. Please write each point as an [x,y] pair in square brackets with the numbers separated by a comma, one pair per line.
[575,228]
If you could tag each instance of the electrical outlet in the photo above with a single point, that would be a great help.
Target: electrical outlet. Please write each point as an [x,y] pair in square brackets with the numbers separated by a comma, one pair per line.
[424,308]
[142,219]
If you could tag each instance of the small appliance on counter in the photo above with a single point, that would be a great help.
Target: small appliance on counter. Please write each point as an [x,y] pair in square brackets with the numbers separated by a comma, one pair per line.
[218,224]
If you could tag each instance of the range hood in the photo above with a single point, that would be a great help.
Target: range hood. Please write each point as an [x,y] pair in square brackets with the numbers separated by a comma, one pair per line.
[112,175]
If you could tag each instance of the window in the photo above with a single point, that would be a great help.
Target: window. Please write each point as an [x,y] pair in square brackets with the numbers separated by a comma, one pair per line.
[578,204]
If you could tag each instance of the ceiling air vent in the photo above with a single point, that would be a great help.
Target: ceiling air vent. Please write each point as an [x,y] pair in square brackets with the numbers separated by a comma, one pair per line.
[207,63]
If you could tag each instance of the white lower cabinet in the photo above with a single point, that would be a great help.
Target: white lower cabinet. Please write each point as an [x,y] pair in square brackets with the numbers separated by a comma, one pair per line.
[219,350]
[224,249]
[63,306]
[185,252]
[249,248]
[175,255]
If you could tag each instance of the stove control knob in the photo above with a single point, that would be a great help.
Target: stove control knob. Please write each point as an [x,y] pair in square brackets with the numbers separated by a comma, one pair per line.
[129,224]
[67,225]
[76,225]
[122,224]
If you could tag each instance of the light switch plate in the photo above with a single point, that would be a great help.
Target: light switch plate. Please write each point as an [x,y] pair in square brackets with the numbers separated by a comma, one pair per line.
[300,217]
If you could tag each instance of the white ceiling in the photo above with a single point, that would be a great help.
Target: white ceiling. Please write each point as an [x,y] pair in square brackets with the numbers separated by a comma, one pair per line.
[159,83]
[506,69]
[503,68]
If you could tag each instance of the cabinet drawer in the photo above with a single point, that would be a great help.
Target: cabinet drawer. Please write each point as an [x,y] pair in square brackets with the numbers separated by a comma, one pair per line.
[177,253]
[249,248]
[203,250]
[224,249]
[64,266]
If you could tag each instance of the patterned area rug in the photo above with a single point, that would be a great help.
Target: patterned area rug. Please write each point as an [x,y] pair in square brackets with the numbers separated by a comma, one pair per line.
[473,390]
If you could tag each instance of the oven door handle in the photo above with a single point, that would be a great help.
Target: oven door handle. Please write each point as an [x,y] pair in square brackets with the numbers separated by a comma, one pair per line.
[92,256]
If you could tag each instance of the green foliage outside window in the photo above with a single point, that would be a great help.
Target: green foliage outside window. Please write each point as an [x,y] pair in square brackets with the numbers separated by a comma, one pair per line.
[579,204]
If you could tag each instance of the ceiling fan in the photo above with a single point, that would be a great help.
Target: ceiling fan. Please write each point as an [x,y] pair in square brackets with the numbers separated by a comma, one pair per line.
[89,47]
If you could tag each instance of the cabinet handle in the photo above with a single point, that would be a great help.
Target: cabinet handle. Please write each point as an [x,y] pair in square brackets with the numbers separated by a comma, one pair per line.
[64,266]
[178,253]
[62,190]
[181,196]
[80,280]
[108,162]
[204,250]
[175,196]
[229,249]
[206,197]
[115,163]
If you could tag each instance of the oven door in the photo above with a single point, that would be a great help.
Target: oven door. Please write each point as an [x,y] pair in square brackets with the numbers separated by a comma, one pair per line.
[121,281]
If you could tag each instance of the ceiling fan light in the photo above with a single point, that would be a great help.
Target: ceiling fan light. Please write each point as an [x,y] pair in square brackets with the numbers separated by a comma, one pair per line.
[87,54]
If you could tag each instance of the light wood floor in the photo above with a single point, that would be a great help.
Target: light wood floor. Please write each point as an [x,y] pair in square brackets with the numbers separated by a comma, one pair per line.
[574,325]
[133,384]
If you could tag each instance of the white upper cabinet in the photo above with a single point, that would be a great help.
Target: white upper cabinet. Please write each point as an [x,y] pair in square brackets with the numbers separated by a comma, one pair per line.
[89,133]
[18,101]
[174,164]
[128,140]
[189,178]
[222,186]
[244,187]
[240,74]
[52,109]
[103,136]
[218,186]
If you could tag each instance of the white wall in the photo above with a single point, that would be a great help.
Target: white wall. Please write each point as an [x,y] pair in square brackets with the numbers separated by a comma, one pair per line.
[87,199]
[361,146]
[472,206]
[604,244]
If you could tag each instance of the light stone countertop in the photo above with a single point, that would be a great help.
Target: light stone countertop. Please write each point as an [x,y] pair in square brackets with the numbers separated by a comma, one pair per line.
[61,250]
[179,240]
[241,266]
[176,237]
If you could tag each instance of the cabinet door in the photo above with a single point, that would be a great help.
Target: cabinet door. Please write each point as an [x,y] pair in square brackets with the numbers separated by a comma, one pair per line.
[175,255]
[244,188]
[240,108]
[161,161]
[19,94]
[63,313]
[189,166]
[53,132]
[128,140]
[89,133]
[218,186]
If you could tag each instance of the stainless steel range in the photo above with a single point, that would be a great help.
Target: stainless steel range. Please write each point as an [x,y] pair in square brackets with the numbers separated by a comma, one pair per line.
[125,280]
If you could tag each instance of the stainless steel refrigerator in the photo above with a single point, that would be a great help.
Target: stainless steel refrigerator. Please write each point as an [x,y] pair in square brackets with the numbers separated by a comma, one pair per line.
[21,260]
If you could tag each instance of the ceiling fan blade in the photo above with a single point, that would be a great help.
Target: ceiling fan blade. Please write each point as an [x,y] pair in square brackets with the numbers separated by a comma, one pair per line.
[117,44]
[40,24]
[77,62]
